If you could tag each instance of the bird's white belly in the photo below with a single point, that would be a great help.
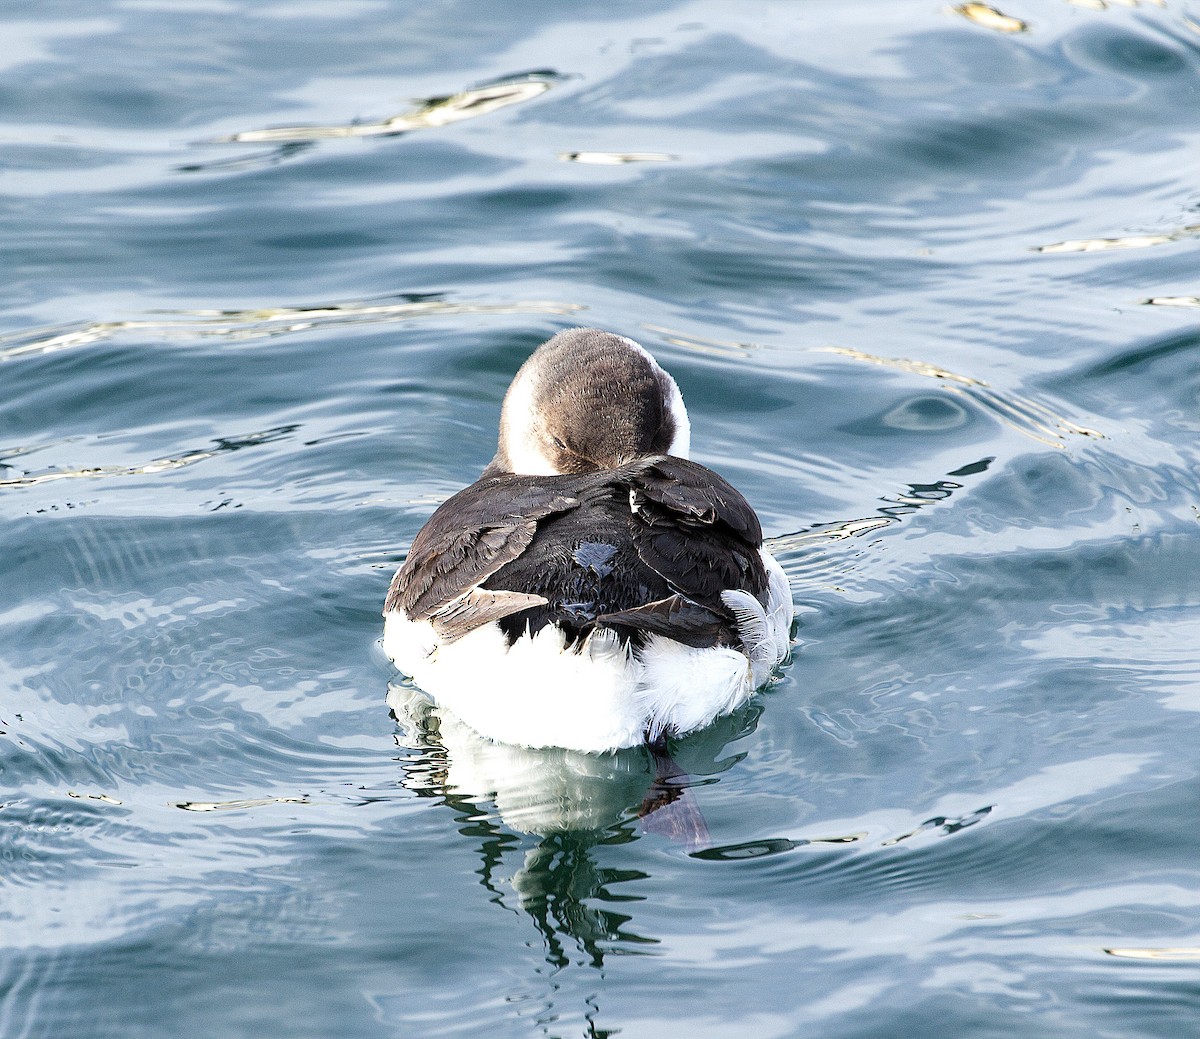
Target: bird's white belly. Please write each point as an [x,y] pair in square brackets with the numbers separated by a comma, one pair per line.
[536,693]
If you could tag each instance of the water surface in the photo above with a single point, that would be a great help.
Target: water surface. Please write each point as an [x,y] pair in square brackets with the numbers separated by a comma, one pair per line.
[928,281]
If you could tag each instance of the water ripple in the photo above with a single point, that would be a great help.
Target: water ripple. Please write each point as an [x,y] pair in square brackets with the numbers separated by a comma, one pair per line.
[1143,241]
[1167,955]
[1173,301]
[964,807]
[1028,417]
[431,112]
[990,18]
[238,804]
[258,323]
[812,555]
[615,158]
[157,465]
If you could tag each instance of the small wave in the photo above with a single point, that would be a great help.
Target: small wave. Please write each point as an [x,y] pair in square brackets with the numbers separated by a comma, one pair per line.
[771,846]
[1104,5]
[258,323]
[429,113]
[1173,301]
[815,554]
[715,347]
[942,826]
[237,805]
[1143,241]
[1183,954]
[615,158]
[94,797]
[990,18]
[1027,417]
[157,465]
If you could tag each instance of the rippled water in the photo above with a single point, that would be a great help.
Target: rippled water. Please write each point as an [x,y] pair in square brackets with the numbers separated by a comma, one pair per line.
[929,279]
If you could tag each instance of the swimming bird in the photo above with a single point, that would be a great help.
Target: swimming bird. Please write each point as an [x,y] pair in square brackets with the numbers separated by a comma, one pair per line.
[593,589]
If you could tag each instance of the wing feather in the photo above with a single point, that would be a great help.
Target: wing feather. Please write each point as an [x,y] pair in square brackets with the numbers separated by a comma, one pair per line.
[476,608]
[468,538]
[692,532]
[692,493]
[697,532]
[676,617]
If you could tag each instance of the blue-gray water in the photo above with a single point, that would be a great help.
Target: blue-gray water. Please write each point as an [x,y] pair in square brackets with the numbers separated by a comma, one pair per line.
[901,263]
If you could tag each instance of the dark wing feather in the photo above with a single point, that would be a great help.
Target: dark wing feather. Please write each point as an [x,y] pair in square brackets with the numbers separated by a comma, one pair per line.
[470,537]
[691,492]
[676,617]
[676,535]
[697,531]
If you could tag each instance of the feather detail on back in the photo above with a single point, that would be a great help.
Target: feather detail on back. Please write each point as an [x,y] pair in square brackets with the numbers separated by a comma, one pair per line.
[650,548]
[477,607]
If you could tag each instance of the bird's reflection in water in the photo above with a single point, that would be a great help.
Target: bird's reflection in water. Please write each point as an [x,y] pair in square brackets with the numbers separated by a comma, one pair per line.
[551,791]
[553,808]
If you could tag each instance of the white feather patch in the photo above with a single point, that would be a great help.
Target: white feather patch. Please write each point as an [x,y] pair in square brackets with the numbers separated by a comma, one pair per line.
[780,610]
[536,693]
[683,689]
[765,632]
[525,454]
